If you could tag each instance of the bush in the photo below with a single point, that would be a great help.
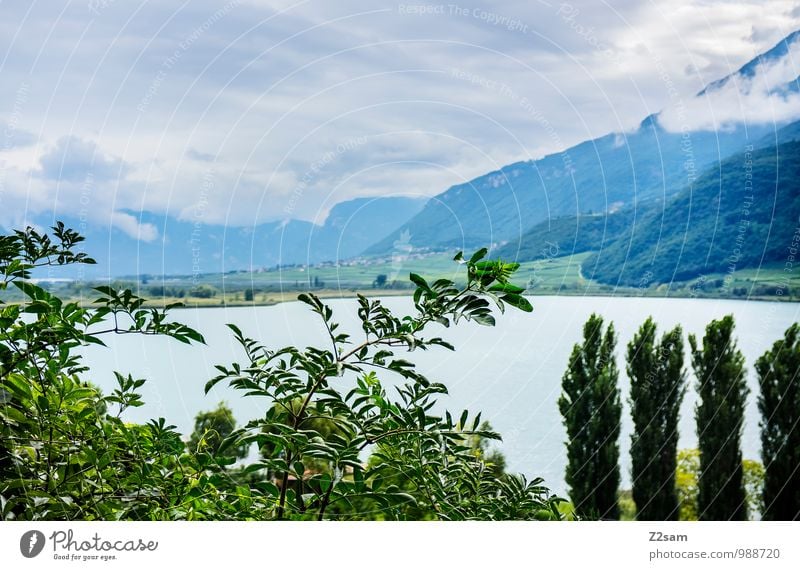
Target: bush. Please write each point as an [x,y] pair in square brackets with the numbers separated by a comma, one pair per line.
[422,463]
[67,454]
[203,291]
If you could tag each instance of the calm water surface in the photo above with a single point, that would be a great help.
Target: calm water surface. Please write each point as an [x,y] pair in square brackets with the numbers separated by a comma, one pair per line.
[510,372]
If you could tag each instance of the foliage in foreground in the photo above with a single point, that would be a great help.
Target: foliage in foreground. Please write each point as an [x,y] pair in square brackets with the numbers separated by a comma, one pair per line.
[67,453]
[422,461]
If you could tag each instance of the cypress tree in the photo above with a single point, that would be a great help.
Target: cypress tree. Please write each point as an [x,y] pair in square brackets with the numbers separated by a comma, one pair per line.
[779,403]
[658,385]
[719,367]
[590,405]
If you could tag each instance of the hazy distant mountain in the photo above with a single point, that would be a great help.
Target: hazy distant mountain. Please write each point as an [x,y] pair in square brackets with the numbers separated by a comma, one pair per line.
[186,247]
[610,173]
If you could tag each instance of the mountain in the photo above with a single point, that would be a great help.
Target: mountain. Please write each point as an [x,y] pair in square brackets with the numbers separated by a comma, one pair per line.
[353,225]
[585,198]
[741,213]
[789,133]
[749,69]
[593,232]
[188,247]
[605,174]
[569,235]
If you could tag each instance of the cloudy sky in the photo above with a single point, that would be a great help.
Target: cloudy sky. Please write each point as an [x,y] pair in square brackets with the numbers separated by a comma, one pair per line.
[245,111]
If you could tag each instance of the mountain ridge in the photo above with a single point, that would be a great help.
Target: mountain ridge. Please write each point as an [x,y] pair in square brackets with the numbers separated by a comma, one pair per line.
[740,215]
[191,247]
[610,172]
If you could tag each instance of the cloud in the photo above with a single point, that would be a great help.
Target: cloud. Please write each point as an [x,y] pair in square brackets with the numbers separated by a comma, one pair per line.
[12,137]
[77,180]
[768,96]
[74,159]
[255,98]
[130,225]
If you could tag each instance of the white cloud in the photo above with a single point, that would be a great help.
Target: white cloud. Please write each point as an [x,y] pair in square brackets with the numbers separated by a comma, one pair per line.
[131,226]
[758,99]
[74,179]
[262,94]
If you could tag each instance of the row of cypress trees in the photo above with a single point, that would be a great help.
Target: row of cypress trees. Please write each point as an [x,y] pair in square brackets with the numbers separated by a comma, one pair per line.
[590,404]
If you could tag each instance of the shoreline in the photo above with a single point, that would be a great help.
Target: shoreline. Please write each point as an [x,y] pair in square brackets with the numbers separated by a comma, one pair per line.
[291,296]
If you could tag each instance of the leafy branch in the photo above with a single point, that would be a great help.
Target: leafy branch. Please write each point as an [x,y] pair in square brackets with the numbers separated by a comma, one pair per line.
[313,414]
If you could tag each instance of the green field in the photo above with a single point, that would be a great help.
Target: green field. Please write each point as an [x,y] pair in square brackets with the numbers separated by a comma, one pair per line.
[552,273]
[557,276]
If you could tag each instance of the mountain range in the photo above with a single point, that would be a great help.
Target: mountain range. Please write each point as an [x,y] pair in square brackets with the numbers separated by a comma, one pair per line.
[744,212]
[606,174]
[652,205]
[193,247]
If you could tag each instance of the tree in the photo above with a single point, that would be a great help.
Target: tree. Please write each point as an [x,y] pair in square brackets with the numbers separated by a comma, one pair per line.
[249,294]
[719,368]
[688,473]
[686,476]
[411,443]
[590,405]
[380,281]
[66,452]
[658,385]
[210,430]
[753,477]
[494,458]
[779,403]
[203,291]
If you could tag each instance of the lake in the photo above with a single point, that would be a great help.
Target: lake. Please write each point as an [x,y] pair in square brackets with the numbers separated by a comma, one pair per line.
[511,372]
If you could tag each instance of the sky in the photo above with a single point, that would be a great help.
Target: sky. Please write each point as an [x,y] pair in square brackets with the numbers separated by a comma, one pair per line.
[247,111]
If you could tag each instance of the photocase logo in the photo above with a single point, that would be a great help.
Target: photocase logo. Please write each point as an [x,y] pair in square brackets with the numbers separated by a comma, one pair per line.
[31,543]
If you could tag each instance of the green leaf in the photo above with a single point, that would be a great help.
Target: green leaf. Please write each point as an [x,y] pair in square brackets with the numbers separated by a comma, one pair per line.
[18,385]
[106,290]
[419,281]
[478,255]
[311,300]
[33,291]
[213,382]
[12,414]
[507,288]
[358,480]
[421,418]
[485,320]
[518,301]
[325,482]
[38,307]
